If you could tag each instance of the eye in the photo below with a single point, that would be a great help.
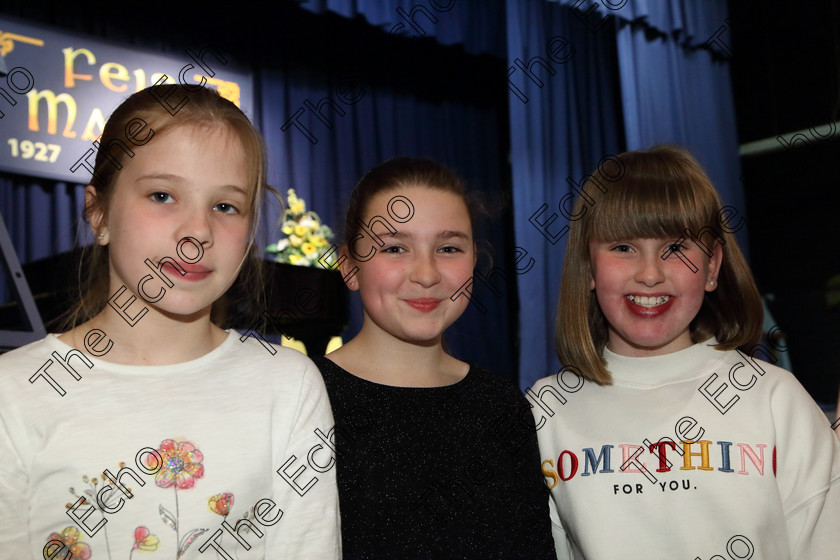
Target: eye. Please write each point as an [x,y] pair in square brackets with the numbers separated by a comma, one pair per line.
[622,248]
[676,248]
[226,208]
[450,249]
[396,249]
[162,197]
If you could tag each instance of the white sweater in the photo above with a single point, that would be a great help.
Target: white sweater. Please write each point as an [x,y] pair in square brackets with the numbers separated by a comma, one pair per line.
[223,423]
[762,479]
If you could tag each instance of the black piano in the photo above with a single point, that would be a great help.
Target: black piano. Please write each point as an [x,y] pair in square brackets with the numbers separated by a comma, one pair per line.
[310,304]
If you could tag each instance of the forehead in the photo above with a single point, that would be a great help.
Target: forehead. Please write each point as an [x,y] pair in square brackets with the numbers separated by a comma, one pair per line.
[428,208]
[206,154]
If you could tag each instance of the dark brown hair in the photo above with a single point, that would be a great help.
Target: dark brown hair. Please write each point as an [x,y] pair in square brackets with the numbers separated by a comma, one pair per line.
[162,108]
[400,172]
[661,192]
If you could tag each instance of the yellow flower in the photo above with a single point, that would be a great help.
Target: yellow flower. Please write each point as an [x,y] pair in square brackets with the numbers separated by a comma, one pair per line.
[294,258]
[297,207]
[308,249]
[300,230]
[287,230]
[295,240]
[319,241]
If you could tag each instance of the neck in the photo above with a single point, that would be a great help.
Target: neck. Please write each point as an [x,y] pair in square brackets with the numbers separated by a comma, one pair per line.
[377,356]
[155,339]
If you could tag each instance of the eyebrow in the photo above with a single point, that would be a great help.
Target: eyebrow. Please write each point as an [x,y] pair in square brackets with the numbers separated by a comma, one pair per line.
[178,179]
[445,234]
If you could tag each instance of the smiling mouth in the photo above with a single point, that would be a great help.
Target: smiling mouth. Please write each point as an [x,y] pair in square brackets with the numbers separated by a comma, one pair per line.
[423,304]
[647,301]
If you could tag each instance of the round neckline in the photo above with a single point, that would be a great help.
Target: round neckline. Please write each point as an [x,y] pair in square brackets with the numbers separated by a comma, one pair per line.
[63,348]
[375,384]
[653,371]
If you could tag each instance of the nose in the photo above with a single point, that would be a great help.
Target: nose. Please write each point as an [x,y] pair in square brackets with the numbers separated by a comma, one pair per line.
[196,223]
[425,271]
[650,270]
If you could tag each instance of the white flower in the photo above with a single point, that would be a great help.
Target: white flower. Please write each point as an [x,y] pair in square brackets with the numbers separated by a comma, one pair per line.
[282,244]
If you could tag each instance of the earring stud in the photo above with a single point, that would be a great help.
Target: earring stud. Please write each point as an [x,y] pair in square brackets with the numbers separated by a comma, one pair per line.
[101,236]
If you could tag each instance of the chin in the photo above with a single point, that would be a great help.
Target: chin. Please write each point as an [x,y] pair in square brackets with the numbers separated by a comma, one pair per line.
[185,311]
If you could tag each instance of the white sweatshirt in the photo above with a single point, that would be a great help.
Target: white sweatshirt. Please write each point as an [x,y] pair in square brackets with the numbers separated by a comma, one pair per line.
[724,457]
[174,437]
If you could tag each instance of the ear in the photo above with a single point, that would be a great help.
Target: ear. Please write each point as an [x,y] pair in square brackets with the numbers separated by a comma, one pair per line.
[475,255]
[591,277]
[96,216]
[347,266]
[715,263]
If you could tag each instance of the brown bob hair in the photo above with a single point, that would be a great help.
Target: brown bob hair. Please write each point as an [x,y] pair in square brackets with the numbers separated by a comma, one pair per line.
[661,192]
[140,119]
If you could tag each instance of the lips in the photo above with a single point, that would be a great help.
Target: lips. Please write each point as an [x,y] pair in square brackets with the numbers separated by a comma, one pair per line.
[194,273]
[423,304]
[649,306]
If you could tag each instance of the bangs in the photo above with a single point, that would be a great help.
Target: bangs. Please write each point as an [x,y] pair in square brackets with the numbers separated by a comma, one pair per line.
[652,200]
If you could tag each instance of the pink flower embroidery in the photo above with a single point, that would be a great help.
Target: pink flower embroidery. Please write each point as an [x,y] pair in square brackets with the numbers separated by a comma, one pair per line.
[69,539]
[144,541]
[181,464]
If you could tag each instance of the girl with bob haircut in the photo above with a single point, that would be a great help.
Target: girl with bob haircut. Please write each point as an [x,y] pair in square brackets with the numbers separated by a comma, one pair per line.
[145,426]
[436,458]
[662,433]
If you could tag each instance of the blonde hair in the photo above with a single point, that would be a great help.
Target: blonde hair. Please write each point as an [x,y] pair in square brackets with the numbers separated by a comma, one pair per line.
[140,119]
[662,192]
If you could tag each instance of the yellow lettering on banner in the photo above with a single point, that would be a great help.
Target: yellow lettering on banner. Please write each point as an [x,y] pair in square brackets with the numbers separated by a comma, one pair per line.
[96,122]
[228,90]
[52,101]
[70,55]
[140,79]
[113,70]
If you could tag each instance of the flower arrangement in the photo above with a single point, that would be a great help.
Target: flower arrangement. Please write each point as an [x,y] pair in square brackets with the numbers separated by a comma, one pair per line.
[307,238]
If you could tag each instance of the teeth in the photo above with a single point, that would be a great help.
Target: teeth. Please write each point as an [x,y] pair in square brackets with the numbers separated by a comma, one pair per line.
[646,301]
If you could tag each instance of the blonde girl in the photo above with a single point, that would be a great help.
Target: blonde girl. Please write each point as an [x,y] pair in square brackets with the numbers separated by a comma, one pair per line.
[146,428]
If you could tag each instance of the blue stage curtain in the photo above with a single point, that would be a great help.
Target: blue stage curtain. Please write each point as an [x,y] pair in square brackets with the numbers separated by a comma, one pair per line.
[675,95]
[558,130]
[43,218]
[478,25]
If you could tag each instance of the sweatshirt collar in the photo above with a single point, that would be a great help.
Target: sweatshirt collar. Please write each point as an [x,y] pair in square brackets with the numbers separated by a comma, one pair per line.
[652,371]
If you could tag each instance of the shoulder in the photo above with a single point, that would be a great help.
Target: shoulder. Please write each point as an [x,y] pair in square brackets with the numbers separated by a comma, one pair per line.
[18,365]
[490,387]
[251,352]
[30,352]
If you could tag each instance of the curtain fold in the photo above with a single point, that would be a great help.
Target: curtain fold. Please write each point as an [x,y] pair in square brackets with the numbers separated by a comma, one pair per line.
[559,130]
[478,25]
[674,95]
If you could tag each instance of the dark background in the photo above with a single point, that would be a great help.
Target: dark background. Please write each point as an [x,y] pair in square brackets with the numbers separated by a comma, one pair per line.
[785,67]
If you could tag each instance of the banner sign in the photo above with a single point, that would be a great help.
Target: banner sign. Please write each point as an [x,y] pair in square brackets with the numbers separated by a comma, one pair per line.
[57,89]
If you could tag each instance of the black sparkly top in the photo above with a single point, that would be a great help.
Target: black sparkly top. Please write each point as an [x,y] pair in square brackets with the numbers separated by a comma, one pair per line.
[439,472]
